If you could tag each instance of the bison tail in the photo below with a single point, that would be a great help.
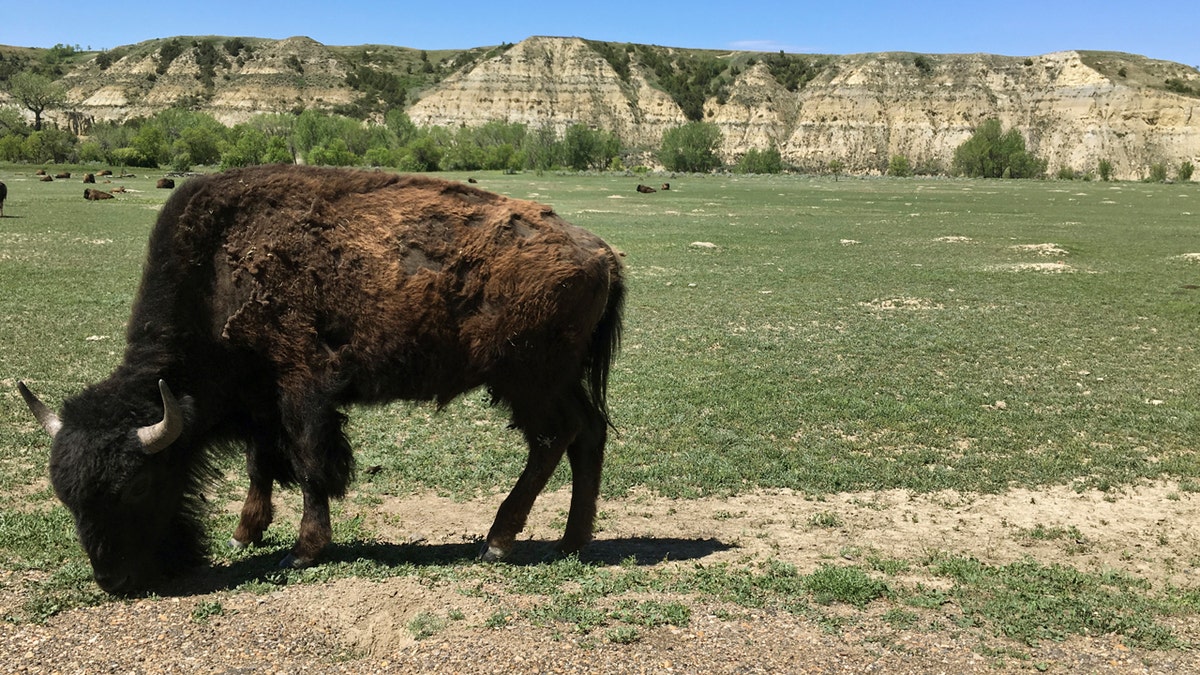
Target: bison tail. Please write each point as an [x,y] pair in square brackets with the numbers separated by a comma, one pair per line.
[606,341]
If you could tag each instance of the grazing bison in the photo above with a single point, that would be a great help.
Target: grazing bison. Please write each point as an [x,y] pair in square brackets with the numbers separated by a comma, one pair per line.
[167,183]
[273,296]
[645,189]
[92,194]
[3,196]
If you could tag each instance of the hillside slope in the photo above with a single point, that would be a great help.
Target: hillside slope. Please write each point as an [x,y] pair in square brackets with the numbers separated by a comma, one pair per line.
[1074,108]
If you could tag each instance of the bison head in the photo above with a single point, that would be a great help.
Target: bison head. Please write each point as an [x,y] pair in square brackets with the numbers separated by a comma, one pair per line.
[123,484]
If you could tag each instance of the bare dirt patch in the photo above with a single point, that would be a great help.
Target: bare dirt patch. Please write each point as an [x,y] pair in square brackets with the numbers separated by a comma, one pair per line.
[360,626]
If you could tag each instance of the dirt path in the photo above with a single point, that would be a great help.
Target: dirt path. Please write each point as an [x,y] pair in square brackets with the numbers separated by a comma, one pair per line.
[360,626]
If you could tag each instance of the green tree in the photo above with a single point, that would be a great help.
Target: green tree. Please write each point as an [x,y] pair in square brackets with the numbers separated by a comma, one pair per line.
[278,151]
[248,147]
[150,144]
[544,150]
[585,148]
[691,147]
[337,153]
[37,94]
[835,167]
[991,152]
[424,153]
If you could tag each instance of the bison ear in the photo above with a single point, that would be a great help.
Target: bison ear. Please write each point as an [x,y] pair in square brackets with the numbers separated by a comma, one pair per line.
[45,416]
[156,437]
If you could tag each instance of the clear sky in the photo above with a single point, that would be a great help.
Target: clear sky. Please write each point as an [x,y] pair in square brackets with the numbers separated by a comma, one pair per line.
[1162,29]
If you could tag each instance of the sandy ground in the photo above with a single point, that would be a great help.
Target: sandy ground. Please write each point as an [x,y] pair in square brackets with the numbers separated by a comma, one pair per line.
[360,626]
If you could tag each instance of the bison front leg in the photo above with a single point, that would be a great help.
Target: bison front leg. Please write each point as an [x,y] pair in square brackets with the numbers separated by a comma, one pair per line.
[257,511]
[323,464]
[316,531]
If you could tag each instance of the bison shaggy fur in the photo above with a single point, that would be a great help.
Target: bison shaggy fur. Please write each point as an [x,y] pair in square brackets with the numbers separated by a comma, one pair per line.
[275,296]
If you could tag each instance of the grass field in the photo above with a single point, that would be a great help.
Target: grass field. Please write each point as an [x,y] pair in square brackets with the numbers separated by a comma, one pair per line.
[782,332]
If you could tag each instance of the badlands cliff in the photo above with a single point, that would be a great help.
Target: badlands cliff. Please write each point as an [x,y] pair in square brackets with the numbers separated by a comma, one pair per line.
[1074,108]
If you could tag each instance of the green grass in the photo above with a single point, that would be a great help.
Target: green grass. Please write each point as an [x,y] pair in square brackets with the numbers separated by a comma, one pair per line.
[832,341]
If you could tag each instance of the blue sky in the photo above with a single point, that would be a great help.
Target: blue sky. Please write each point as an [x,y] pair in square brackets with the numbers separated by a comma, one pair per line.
[1163,29]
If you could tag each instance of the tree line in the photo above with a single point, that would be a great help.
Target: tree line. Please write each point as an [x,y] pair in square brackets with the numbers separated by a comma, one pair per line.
[181,139]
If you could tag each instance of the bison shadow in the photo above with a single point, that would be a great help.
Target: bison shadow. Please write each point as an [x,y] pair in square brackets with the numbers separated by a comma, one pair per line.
[261,565]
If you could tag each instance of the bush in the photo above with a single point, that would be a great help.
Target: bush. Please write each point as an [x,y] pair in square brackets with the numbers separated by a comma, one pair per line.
[993,153]
[1185,171]
[691,147]
[1105,170]
[1158,173]
[899,167]
[760,161]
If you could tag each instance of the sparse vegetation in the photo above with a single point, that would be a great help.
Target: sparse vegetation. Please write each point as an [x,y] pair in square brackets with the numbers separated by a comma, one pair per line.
[723,390]
[690,78]
[793,71]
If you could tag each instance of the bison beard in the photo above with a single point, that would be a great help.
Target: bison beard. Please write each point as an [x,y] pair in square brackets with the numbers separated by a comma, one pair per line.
[273,296]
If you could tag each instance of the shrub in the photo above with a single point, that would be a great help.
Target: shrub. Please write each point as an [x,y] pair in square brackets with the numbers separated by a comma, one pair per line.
[993,153]
[1105,170]
[691,147]
[1158,173]
[760,161]
[898,166]
[1185,171]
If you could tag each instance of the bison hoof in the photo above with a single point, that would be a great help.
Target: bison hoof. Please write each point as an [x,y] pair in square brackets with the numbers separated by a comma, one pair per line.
[236,545]
[491,553]
[291,562]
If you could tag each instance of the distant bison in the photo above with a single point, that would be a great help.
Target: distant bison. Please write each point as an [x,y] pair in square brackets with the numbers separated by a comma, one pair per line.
[666,186]
[46,178]
[275,296]
[645,188]
[91,194]
[63,175]
[3,196]
[89,178]
[167,183]
[104,172]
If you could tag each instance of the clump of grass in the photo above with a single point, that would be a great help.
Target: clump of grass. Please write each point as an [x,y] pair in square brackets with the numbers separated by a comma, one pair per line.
[425,625]
[851,585]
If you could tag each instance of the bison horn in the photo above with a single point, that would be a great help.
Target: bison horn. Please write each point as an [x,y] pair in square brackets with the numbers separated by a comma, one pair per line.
[45,416]
[156,437]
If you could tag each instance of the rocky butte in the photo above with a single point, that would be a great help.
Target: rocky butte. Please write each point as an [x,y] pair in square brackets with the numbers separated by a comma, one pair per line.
[1074,108]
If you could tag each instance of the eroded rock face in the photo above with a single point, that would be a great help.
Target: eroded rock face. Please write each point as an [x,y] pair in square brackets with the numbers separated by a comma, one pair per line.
[554,81]
[867,108]
[860,110]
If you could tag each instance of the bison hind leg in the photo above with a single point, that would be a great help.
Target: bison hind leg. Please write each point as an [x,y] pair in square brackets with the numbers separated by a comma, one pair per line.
[571,424]
[586,455]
